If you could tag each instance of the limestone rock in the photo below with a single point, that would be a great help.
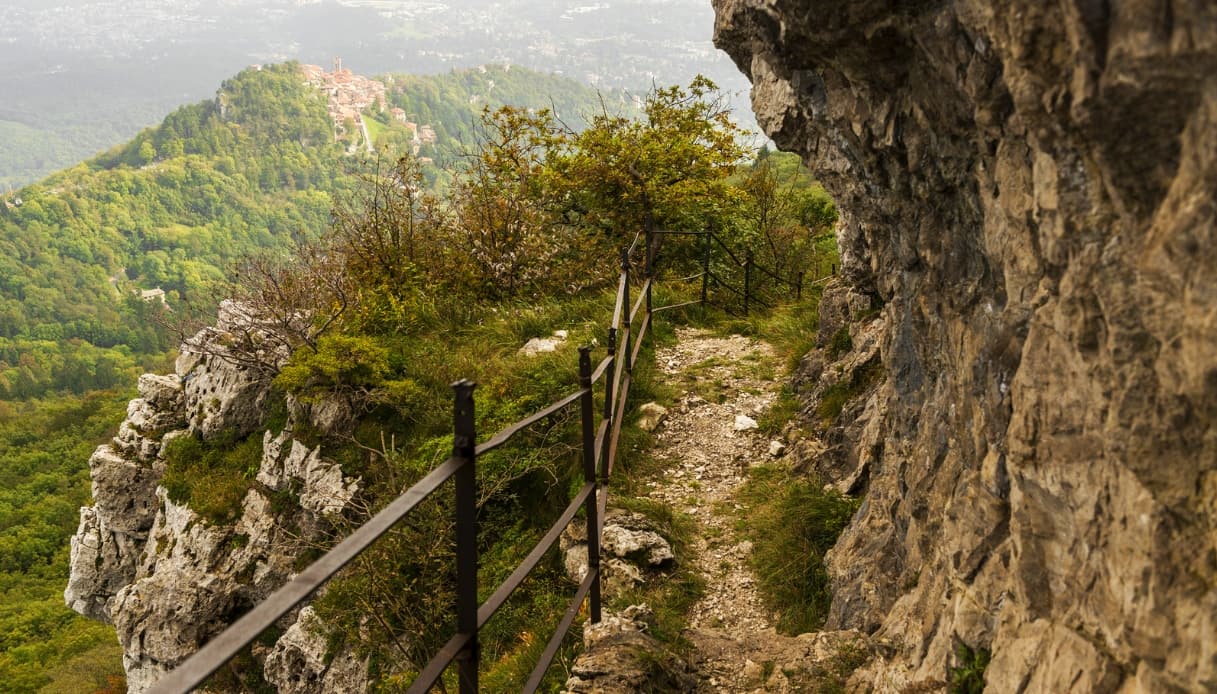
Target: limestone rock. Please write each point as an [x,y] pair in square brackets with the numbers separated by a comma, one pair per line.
[1027,193]
[744,423]
[776,449]
[161,391]
[619,657]
[225,372]
[643,545]
[123,491]
[125,473]
[332,415]
[630,548]
[651,415]
[102,562]
[166,579]
[287,463]
[298,663]
[540,345]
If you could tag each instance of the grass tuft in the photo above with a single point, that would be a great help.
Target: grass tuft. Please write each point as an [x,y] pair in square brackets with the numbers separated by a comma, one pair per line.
[969,676]
[792,523]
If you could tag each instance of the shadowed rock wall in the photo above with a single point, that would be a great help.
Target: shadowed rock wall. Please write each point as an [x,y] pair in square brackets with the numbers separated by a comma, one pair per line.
[1028,188]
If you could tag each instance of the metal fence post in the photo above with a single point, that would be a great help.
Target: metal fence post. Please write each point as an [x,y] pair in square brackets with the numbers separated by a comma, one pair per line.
[798,287]
[609,378]
[464,447]
[747,280]
[587,408]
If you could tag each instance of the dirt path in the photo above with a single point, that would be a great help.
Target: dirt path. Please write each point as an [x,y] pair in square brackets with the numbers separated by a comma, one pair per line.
[708,447]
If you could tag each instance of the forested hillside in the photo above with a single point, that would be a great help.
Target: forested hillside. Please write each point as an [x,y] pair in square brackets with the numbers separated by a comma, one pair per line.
[408,291]
[254,168]
[450,103]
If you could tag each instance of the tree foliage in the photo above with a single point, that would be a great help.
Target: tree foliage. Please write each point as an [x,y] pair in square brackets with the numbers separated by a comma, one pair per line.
[184,205]
[669,168]
[43,482]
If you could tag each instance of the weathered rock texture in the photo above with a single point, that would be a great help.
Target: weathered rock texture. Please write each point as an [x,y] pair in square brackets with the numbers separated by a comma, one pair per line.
[620,657]
[168,580]
[631,551]
[300,661]
[1028,188]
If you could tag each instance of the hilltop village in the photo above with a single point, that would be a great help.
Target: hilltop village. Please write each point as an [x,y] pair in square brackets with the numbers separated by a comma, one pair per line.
[350,95]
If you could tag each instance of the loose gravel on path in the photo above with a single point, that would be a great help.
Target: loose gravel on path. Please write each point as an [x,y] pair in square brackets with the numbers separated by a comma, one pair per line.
[708,446]
[707,461]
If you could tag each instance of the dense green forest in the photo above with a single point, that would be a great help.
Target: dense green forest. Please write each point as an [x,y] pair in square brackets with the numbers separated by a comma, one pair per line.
[30,153]
[34,146]
[44,480]
[254,169]
[170,209]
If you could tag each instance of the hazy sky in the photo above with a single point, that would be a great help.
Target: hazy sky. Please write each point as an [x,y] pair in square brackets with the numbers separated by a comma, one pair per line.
[93,72]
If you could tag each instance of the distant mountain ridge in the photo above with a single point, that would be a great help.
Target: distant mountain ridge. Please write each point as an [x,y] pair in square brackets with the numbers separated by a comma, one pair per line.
[255,168]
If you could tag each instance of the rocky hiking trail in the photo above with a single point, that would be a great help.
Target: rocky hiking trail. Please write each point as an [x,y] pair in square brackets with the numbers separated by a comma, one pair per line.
[706,443]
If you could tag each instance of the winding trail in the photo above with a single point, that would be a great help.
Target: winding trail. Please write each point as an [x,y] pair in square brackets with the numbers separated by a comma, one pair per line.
[708,453]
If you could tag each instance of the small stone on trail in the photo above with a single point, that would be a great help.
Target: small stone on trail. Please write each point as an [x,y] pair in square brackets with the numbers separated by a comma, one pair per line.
[651,415]
[743,422]
[752,672]
[776,449]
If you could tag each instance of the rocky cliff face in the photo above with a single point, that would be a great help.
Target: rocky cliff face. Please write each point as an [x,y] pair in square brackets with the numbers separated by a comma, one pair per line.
[169,580]
[1028,191]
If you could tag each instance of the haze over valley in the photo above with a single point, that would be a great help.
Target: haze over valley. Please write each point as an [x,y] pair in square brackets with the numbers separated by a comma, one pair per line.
[82,76]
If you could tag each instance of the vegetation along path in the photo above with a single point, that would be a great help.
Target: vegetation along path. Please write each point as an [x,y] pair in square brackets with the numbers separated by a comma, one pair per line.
[707,444]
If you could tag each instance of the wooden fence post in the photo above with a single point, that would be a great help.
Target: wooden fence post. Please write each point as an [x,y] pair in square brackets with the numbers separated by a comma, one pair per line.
[705,265]
[609,378]
[649,230]
[625,312]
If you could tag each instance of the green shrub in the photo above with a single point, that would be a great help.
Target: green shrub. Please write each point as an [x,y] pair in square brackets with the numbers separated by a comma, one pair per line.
[835,397]
[969,676]
[340,362]
[781,411]
[833,400]
[211,477]
[792,523]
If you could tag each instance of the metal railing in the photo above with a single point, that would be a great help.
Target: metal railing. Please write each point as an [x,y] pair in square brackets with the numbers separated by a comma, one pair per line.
[750,291]
[598,453]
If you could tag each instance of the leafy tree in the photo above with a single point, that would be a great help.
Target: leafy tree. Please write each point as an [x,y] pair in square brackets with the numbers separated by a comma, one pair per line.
[668,169]
[147,153]
[506,227]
